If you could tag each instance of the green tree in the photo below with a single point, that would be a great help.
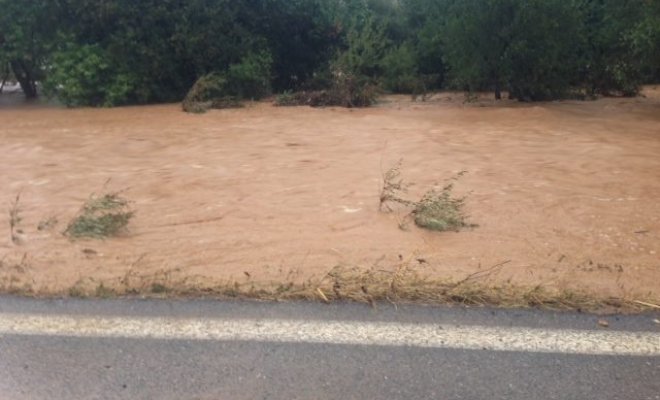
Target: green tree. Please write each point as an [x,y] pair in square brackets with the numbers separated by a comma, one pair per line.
[529,47]
[425,21]
[82,75]
[643,40]
[167,45]
[301,36]
[108,52]
[366,47]
[617,45]
[400,73]
[477,39]
[545,49]
[135,36]
[27,30]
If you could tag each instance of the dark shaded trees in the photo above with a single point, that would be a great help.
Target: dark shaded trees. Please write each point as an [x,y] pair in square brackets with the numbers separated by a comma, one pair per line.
[477,38]
[110,52]
[27,33]
[617,49]
[528,47]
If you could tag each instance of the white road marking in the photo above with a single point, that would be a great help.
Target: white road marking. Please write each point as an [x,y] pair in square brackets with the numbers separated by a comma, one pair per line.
[339,332]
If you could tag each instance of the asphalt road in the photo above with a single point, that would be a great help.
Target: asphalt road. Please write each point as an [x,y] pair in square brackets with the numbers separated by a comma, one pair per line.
[138,349]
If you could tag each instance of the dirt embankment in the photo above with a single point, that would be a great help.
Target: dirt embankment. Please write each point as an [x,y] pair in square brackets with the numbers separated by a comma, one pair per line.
[566,196]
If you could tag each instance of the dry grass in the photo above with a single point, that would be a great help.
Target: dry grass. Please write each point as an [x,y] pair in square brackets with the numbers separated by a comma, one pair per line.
[16,276]
[15,219]
[401,285]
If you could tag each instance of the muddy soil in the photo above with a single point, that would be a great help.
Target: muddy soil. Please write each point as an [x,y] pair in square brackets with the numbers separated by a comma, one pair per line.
[566,194]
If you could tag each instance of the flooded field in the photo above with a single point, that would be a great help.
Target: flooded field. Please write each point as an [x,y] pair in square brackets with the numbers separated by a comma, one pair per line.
[565,194]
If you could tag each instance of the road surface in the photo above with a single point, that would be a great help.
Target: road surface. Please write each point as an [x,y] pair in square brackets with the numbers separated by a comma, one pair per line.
[148,349]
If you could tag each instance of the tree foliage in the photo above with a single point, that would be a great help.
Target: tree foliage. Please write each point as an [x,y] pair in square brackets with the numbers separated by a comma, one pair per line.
[26,39]
[111,52]
[84,75]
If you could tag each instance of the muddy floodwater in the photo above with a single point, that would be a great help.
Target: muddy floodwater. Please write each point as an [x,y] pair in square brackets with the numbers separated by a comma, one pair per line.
[565,194]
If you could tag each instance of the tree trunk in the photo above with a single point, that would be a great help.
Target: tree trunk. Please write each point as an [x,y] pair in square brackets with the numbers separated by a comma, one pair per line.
[498,91]
[25,78]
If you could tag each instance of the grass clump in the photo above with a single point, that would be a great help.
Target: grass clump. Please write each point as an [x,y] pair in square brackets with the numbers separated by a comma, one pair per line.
[101,217]
[158,288]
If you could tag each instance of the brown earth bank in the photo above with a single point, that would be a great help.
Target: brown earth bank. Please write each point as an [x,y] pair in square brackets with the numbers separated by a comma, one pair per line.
[267,200]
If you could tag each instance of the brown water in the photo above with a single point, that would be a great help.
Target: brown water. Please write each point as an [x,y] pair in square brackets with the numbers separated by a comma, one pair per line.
[569,192]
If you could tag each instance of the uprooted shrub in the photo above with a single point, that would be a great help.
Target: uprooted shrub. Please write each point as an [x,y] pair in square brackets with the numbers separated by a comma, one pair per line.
[249,79]
[290,99]
[350,90]
[101,217]
[436,210]
[347,90]
[207,91]
[440,211]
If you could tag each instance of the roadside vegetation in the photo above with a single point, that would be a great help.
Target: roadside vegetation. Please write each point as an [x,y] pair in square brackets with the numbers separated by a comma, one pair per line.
[326,52]
[403,283]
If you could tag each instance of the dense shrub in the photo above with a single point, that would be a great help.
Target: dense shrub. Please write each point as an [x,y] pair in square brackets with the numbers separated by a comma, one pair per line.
[400,73]
[544,49]
[249,79]
[84,75]
[529,47]
[621,38]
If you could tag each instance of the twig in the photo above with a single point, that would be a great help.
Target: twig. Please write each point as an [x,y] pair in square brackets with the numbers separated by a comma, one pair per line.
[198,221]
[323,296]
[647,304]
[475,274]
